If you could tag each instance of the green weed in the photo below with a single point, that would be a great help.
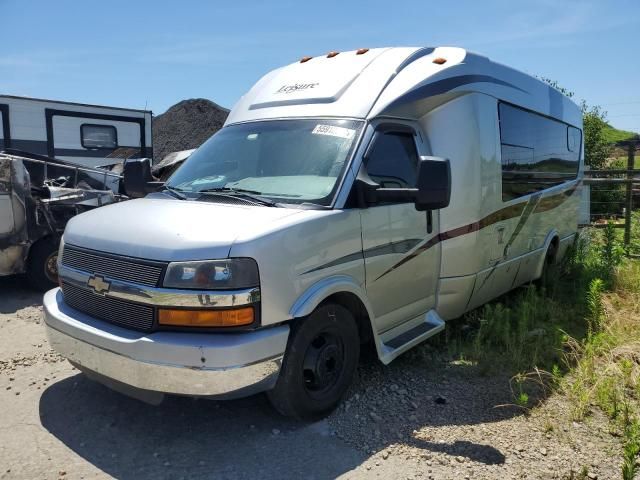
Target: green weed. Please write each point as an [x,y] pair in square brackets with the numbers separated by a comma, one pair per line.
[579,335]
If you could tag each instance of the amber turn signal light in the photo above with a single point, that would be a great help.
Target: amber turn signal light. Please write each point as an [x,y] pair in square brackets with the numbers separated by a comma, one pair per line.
[332,54]
[439,60]
[305,59]
[206,318]
[362,51]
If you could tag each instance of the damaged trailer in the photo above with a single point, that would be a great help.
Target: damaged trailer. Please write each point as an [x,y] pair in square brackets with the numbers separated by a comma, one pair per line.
[38,196]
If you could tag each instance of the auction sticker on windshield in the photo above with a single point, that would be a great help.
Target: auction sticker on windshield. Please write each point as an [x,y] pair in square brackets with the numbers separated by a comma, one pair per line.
[333,131]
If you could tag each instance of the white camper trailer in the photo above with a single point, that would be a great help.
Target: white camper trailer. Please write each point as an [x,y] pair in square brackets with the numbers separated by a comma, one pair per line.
[360,196]
[87,135]
[51,169]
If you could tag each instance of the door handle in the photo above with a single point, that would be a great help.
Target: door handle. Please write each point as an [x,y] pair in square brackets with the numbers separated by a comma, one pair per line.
[500,235]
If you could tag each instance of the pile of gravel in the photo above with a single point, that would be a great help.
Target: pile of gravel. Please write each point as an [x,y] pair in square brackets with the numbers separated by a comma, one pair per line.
[186,125]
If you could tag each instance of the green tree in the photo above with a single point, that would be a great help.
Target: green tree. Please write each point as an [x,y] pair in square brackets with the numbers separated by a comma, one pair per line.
[557,86]
[596,148]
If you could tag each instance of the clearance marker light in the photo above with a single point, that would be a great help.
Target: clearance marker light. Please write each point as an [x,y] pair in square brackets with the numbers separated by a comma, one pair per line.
[305,59]
[439,60]
[332,54]
[361,51]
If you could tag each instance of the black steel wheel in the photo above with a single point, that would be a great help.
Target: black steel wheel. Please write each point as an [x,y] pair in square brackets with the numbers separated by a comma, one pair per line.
[318,366]
[323,363]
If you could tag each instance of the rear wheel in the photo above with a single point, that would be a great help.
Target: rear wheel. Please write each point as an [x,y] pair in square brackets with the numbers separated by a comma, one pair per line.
[318,366]
[42,267]
[549,268]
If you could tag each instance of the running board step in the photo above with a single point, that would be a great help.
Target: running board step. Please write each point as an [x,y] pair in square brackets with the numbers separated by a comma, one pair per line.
[395,346]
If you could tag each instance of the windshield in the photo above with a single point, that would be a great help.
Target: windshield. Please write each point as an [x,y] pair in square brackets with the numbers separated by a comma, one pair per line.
[289,161]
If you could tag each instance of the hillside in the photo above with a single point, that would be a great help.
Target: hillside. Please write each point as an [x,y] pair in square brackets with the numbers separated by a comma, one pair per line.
[186,125]
[613,135]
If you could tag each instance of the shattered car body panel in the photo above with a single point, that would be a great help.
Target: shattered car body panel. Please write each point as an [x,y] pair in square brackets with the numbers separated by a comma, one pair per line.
[37,199]
[14,238]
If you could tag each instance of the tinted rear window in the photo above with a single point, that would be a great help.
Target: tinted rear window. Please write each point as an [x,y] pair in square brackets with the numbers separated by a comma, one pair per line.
[537,152]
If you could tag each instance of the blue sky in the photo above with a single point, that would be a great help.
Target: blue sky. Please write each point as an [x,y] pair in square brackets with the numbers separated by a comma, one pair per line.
[144,53]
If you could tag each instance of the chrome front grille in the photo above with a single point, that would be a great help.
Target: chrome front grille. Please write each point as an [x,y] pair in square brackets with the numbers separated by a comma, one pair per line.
[126,269]
[118,312]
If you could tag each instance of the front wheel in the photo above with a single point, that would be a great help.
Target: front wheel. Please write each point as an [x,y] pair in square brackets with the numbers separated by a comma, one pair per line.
[321,358]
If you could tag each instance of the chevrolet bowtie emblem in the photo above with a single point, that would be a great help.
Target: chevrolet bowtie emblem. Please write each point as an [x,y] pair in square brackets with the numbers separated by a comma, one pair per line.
[99,284]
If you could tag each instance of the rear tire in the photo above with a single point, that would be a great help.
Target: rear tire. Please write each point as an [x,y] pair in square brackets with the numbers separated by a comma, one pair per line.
[321,358]
[42,269]
[549,268]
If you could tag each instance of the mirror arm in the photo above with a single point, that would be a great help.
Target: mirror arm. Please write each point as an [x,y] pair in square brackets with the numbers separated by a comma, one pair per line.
[397,194]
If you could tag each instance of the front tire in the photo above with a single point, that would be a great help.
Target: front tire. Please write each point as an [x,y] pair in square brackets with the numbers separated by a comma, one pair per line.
[321,358]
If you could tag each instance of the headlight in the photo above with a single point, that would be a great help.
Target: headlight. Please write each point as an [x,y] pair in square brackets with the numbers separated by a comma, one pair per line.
[229,274]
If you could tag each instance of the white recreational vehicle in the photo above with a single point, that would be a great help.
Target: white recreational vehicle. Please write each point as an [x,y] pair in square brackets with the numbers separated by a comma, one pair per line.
[361,196]
[87,135]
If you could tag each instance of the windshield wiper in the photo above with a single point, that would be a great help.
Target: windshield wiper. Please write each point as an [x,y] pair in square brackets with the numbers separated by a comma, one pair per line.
[239,192]
[175,192]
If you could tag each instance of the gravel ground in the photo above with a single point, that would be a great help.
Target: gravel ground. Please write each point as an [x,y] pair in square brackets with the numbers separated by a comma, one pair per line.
[422,417]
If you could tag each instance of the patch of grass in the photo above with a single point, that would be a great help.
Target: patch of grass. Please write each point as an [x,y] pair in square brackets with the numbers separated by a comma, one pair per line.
[578,335]
[528,328]
[631,450]
[604,367]
[634,247]
[621,162]
[594,304]
[614,135]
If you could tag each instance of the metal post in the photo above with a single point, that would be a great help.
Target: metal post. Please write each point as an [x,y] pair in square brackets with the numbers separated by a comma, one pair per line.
[629,201]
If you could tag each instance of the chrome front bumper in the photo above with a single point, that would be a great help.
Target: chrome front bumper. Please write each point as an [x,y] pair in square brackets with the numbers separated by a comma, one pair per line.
[200,364]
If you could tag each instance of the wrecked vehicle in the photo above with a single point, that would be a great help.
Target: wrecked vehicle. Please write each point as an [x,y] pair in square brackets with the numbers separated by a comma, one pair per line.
[38,196]
[170,163]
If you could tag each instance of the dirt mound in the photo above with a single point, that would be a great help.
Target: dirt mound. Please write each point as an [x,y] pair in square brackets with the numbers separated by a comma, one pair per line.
[186,125]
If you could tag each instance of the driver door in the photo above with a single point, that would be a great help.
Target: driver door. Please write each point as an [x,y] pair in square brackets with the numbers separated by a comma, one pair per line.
[401,252]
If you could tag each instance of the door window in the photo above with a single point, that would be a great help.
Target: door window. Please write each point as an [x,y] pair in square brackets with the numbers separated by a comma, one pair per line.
[393,160]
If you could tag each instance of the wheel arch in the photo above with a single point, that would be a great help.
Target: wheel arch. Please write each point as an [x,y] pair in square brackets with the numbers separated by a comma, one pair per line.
[553,237]
[343,290]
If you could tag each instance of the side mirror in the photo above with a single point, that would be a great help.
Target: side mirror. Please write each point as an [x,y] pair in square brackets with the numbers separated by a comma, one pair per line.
[432,190]
[137,180]
[433,184]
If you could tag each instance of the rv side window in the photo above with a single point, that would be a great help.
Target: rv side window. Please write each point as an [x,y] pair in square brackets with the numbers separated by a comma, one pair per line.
[574,139]
[393,160]
[98,136]
[537,152]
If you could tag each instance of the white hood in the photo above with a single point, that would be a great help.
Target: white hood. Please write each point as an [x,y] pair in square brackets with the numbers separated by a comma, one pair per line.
[170,230]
